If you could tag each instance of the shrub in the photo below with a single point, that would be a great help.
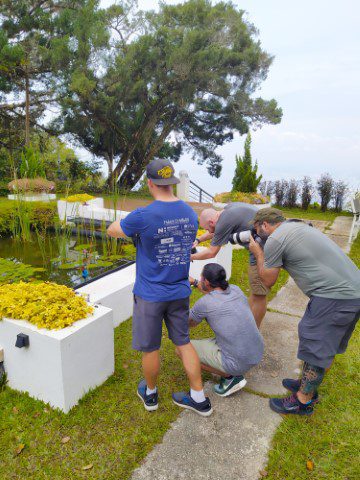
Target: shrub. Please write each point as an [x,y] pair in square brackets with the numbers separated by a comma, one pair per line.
[38,185]
[266,188]
[339,191]
[79,197]
[254,198]
[325,187]
[31,165]
[245,177]
[41,215]
[306,192]
[46,305]
[291,193]
[280,189]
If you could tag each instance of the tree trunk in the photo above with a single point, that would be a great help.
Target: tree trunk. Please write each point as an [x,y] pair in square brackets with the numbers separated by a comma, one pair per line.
[130,177]
[27,108]
[110,163]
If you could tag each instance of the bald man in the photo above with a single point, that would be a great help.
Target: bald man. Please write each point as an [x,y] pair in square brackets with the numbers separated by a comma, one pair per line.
[220,226]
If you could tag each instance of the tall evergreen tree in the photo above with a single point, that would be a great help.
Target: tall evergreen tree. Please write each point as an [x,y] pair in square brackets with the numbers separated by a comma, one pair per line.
[245,178]
[184,82]
[43,43]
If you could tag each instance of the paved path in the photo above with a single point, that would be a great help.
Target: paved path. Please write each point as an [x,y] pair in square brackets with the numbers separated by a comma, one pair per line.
[234,441]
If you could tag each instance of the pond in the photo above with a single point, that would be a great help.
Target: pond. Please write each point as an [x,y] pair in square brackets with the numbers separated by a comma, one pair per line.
[65,259]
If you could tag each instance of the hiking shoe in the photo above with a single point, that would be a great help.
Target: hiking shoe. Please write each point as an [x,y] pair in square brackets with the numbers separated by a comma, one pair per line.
[228,386]
[290,405]
[150,401]
[294,386]
[184,400]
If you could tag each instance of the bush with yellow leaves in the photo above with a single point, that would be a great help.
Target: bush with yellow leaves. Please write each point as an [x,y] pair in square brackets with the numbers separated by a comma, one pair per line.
[254,198]
[46,305]
[79,197]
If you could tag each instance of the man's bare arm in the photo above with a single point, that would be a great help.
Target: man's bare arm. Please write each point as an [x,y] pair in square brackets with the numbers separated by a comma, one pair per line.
[192,323]
[209,252]
[203,238]
[114,230]
[267,275]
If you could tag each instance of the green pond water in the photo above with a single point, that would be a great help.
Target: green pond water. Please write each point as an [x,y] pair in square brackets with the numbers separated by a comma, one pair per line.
[67,260]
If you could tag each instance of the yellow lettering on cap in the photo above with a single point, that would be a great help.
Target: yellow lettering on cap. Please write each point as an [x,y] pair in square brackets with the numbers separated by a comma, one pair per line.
[165,172]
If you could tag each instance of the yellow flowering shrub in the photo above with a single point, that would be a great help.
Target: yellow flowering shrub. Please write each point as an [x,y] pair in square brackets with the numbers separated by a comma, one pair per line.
[254,198]
[46,305]
[79,197]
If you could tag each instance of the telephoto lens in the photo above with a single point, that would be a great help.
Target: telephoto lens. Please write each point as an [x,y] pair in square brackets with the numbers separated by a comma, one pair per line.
[241,238]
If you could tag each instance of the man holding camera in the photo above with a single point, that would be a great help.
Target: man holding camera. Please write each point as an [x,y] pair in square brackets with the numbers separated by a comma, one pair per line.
[226,226]
[164,232]
[331,281]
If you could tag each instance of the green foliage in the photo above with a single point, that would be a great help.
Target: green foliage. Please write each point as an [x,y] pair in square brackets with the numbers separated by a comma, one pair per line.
[41,43]
[191,68]
[31,165]
[13,271]
[39,214]
[245,178]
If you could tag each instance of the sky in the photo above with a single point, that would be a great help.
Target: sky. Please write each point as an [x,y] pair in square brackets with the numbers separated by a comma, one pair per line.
[315,78]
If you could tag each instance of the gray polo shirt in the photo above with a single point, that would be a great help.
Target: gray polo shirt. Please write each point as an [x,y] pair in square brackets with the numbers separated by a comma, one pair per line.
[235,218]
[229,315]
[318,266]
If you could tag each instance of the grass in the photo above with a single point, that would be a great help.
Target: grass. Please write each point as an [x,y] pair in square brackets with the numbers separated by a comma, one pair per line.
[330,438]
[312,213]
[109,428]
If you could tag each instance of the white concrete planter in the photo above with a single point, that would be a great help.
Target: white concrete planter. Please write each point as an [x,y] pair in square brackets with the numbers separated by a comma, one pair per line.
[224,258]
[92,210]
[258,205]
[114,291]
[36,197]
[60,366]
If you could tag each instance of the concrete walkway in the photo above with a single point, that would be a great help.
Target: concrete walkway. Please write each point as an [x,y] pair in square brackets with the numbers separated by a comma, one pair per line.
[234,441]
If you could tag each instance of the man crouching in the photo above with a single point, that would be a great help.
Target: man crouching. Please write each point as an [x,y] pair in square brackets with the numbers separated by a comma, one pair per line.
[238,345]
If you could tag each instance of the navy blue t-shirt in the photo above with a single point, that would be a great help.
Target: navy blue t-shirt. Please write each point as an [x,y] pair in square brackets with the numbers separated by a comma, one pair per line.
[166,232]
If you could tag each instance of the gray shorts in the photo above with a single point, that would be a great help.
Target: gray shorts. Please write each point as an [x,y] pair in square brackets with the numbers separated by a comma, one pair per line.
[326,328]
[147,323]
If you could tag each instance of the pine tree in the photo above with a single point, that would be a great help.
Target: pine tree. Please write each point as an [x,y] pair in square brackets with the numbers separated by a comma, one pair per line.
[245,178]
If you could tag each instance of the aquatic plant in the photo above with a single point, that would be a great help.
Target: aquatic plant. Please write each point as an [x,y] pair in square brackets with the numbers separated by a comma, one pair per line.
[14,271]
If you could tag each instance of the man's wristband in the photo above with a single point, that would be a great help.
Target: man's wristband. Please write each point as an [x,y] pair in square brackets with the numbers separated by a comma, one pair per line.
[196,283]
[197,240]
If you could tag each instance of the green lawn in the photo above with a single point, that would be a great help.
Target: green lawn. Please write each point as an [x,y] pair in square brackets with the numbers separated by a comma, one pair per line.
[330,438]
[109,428]
[312,213]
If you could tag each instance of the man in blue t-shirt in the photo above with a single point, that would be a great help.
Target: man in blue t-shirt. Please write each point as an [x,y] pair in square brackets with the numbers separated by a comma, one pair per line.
[163,232]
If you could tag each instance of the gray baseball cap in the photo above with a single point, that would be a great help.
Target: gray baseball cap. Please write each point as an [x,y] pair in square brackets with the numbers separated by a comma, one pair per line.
[161,172]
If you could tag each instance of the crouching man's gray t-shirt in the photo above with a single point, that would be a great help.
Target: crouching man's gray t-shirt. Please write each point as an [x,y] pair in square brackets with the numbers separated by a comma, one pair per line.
[318,266]
[229,315]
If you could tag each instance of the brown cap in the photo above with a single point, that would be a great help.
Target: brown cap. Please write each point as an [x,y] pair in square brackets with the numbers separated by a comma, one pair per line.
[271,215]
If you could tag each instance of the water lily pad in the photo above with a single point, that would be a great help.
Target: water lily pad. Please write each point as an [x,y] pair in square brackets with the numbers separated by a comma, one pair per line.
[84,246]
[68,266]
